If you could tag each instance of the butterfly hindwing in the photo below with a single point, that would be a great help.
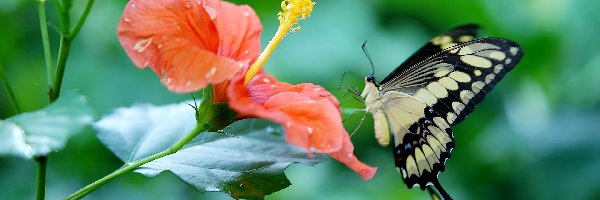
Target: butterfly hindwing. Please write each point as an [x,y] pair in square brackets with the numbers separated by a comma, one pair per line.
[459,34]
[455,80]
[422,138]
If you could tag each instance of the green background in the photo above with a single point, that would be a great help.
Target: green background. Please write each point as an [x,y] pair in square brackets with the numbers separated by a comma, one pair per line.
[534,137]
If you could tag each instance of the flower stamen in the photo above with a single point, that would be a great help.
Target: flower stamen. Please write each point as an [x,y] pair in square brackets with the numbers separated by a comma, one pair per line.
[293,11]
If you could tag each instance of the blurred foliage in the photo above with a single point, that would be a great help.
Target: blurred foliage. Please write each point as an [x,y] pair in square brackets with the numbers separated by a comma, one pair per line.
[534,137]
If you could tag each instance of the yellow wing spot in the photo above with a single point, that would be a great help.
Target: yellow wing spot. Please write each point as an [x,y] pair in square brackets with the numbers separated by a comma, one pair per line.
[421,161]
[411,166]
[476,61]
[465,51]
[447,45]
[448,83]
[466,96]
[431,157]
[465,38]
[458,106]
[439,134]
[426,96]
[513,50]
[442,72]
[437,89]
[477,86]
[497,55]
[439,40]
[477,72]
[498,68]
[460,76]
[451,117]
[440,122]
[489,78]
[436,146]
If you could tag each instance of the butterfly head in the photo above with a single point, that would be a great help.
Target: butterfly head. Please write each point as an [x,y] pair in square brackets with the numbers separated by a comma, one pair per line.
[370,78]
[371,91]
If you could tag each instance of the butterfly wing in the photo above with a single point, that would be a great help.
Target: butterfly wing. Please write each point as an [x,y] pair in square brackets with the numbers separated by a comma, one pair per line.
[422,138]
[455,80]
[459,34]
[435,88]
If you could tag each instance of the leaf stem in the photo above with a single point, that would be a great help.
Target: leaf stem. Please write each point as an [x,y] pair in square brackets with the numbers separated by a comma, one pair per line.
[63,53]
[82,19]
[11,95]
[45,40]
[40,192]
[174,148]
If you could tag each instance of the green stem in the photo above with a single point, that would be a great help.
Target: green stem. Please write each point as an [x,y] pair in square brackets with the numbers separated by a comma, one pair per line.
[174,148]
[63,53]
[40,192]
[82,19]
[45,40]
[64,8]
[11,95]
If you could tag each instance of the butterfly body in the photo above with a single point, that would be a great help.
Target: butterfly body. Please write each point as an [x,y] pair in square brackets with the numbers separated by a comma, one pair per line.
[434,89]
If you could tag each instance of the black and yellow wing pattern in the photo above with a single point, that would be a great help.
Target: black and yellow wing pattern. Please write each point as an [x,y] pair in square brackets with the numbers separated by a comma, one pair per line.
[436,88]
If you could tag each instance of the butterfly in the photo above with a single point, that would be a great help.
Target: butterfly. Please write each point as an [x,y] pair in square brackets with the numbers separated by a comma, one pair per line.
[416,105]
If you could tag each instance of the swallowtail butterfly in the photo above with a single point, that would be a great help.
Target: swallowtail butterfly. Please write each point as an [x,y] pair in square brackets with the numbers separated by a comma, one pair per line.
[434,89]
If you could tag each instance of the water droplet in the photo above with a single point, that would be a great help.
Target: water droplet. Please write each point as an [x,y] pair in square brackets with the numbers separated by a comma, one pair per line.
[188,4]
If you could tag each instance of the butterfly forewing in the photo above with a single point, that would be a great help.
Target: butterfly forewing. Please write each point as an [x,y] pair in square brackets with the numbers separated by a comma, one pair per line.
[455,80]
[459,34]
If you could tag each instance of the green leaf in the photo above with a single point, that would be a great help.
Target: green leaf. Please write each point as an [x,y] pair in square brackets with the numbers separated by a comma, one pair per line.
[40,132]
[245,160]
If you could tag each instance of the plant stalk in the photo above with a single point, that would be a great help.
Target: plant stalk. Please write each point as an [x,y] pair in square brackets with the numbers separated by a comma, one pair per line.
[174,148]
[40,192]
[45,41]
[9,90]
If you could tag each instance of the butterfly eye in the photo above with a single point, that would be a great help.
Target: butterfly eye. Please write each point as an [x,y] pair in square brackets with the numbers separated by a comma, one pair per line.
[370,78]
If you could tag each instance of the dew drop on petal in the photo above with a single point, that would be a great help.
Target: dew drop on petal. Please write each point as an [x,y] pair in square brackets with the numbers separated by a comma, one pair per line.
[127,19]
[188,83]
[141,45]
[246,13]
[212,72]
[211,12]
[309,130]
[188,4]
[266,80]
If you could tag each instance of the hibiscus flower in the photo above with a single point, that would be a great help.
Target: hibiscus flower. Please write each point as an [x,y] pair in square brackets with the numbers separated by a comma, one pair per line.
[191,44]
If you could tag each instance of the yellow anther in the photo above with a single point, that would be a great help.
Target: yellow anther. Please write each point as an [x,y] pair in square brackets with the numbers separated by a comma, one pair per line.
[293,10]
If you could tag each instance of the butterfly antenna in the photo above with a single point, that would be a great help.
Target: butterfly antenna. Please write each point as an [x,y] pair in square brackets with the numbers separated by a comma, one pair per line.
[441,190]
[364,48]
